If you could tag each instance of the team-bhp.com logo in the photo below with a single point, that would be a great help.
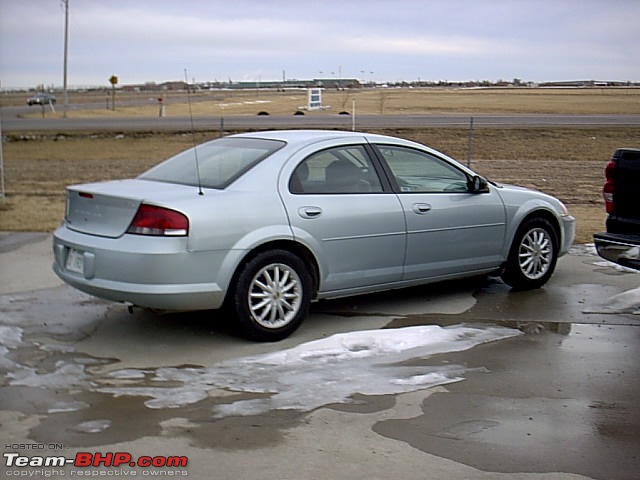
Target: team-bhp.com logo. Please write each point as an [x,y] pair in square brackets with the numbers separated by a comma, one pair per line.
[100,460]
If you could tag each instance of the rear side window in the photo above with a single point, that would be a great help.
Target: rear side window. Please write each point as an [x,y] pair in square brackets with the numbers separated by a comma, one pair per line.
[345,169]
[219,162]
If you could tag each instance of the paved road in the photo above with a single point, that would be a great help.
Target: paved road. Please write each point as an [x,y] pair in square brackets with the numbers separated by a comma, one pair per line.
[11,122]
[557,403]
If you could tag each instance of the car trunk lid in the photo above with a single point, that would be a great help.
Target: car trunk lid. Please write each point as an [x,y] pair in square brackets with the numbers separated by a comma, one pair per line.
[107,208]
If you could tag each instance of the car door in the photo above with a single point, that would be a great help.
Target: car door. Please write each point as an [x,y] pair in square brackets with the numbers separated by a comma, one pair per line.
[450,229]
[338,206]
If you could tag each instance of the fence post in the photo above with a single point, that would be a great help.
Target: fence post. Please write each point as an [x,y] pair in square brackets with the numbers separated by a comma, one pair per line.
[353,115]
[2,187]
[470,143]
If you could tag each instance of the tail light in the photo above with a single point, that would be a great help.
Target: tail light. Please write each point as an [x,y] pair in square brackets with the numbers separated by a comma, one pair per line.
[159,221]
[609,187]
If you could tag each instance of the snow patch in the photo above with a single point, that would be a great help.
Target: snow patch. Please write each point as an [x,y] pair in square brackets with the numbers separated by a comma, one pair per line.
[320,372]
[10,336]
[93,426]
[64,407]
[66,375]
[625,302]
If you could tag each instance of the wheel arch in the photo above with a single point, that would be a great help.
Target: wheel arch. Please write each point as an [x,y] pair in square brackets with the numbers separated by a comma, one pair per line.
[526,212]
[516,273]
[291,246]
[550,217]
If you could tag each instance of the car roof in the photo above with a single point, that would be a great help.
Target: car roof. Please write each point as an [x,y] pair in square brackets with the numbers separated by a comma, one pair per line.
[300,135]
[311,136]
[298,138]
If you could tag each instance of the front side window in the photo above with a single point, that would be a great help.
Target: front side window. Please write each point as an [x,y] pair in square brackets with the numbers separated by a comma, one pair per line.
[218,162]
[345,169]
[419,172]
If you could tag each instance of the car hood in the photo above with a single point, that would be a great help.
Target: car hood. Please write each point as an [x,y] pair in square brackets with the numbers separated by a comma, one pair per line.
[514,196]
[107,208]
[505,188]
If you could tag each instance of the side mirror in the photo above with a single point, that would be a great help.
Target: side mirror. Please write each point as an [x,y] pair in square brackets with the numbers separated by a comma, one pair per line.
[477,184]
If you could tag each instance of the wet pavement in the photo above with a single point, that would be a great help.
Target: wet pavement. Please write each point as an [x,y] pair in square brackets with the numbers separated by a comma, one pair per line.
[557,399]
[547,403]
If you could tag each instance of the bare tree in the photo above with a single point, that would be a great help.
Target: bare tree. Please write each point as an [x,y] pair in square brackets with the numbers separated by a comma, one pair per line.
[382,99]
[344,99]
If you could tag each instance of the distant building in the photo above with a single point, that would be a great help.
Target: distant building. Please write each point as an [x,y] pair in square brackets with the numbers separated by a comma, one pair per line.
[334,83]
[585,83]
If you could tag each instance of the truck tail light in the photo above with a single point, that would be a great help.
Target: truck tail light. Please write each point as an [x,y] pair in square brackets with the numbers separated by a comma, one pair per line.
[609,187]
[159,221]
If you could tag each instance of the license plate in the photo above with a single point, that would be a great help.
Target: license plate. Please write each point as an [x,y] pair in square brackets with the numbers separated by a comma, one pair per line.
[75,261]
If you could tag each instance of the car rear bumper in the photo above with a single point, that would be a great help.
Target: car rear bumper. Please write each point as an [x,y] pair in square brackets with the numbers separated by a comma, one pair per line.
[161,297]
[618,248]
[151,272]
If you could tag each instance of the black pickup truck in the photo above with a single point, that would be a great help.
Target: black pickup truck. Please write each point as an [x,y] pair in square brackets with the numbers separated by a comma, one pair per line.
[621,242]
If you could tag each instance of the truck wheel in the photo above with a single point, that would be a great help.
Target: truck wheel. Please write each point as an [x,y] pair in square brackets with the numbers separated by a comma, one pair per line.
[533,255]
[272,295]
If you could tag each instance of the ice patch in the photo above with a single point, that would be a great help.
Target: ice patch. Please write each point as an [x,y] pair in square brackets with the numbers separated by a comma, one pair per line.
[614,266]
[93,426]
[320,372]
[308,376]
[430,339]
[587,249]
[625,302]
[10,336]
[428,379]
[56,348]
[65,375]
[127,374]
[63,407]
[5,363]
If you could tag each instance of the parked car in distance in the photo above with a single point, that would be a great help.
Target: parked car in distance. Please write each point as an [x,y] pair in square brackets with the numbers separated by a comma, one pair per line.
[42,99]
[621,242]
[264,223]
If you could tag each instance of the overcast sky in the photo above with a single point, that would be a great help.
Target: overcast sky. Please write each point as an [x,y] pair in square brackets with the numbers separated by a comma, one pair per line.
[382,40]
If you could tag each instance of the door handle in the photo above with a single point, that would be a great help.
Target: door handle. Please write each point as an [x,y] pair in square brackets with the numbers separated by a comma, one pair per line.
[309,212]
[421,208]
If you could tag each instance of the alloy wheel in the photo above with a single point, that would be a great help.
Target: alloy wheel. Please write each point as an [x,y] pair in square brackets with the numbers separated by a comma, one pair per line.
[536,253]
[275,295]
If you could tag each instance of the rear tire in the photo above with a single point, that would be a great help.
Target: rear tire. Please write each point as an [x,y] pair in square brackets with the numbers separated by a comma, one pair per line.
[272,295]
[533,255]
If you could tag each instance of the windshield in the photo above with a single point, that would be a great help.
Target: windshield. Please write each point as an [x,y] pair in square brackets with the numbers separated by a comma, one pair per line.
[219,162]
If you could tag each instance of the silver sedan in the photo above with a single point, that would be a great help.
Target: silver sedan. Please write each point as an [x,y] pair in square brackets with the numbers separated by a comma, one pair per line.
[264,223]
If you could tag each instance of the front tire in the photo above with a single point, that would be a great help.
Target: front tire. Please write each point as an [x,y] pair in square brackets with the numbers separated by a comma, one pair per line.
[533,255]
[272,295]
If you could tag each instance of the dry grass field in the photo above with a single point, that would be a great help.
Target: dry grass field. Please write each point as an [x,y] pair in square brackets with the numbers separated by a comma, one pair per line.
[367,101]
[565,162]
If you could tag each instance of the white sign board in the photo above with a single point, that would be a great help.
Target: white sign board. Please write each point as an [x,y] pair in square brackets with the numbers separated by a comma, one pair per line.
[314,99]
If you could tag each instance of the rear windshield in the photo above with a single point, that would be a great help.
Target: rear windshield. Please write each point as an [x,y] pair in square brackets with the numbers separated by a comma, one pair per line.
[218,162]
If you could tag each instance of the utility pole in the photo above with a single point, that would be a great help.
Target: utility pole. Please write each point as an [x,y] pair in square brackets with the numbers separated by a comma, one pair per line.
[66,55]
[2,189]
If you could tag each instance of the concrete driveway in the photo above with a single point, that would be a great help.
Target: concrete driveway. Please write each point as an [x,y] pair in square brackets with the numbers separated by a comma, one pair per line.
[552,395]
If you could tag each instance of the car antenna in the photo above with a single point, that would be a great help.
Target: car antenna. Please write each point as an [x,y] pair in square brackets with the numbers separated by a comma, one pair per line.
[193,134]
